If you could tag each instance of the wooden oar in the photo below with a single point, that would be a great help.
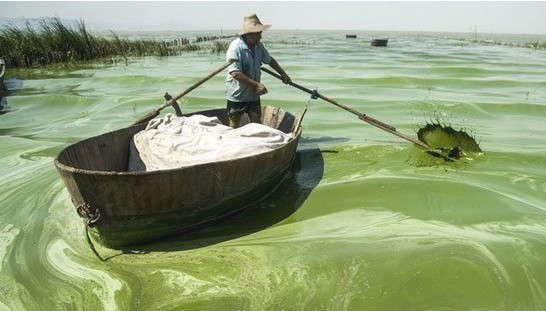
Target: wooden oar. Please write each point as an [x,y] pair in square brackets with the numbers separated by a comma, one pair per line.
[388,128]
[173,102]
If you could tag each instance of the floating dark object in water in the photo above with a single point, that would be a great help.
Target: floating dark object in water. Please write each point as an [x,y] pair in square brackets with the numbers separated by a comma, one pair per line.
[350,36]
[448,143]
[379,42]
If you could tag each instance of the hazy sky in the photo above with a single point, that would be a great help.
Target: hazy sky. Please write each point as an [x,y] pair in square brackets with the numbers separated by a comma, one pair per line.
[461,16]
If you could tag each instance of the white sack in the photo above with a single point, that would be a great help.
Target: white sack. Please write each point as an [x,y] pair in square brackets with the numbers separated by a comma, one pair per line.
[173,142]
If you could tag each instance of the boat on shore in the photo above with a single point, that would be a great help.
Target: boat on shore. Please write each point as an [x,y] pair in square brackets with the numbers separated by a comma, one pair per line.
[379,42]
[122,208]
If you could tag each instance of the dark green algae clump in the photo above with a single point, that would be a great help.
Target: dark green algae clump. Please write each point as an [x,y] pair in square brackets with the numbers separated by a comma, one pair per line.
[448,143]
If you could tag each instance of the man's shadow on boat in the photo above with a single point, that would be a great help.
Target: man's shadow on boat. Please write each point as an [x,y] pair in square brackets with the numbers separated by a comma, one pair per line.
[304,176]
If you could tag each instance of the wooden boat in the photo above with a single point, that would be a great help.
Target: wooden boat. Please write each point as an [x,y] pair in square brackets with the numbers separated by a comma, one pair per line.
[350,36]
[123,208]
[379,42]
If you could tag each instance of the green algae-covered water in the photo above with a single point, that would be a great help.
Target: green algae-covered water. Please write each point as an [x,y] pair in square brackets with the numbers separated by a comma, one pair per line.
[366,221]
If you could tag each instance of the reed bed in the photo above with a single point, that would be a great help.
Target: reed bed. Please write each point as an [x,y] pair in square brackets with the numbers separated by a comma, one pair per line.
[528,44]
[537,45]
[55,42]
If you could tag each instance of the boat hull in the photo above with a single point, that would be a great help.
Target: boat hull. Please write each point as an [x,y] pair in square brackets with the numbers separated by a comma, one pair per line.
[379,42]
[123,208]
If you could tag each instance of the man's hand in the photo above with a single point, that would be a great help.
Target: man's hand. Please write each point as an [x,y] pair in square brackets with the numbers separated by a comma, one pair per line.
[261,89]
[285,78]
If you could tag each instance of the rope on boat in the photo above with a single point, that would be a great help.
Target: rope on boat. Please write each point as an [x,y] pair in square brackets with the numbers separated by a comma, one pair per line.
[89,213]
[315,94]
[91,216]
[91,244]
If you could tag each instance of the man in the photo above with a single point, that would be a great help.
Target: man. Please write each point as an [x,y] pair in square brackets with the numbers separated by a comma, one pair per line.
[243,86]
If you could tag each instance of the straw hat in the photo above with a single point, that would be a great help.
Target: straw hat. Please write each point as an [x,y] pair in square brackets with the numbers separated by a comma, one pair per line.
[252,23]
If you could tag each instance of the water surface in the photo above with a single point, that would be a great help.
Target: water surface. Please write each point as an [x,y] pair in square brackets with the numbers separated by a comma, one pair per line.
[366,222]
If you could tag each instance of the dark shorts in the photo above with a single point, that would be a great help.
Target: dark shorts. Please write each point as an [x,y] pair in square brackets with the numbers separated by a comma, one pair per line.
[236,109]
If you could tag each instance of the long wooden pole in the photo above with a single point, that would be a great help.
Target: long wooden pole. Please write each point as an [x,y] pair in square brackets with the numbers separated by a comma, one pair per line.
[383,126]
[173,103]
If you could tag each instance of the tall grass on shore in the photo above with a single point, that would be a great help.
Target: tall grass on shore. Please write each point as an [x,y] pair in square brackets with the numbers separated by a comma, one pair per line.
[54,42]
[528,42]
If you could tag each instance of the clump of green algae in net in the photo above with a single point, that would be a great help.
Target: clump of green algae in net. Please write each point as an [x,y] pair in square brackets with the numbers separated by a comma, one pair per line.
[448,143]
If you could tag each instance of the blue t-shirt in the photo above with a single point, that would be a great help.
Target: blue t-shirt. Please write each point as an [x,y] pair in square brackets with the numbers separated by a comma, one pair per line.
[247,63]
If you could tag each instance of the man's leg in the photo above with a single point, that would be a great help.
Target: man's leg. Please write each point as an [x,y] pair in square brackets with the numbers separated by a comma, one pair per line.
[234,116]
[255,112]
[235,111]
